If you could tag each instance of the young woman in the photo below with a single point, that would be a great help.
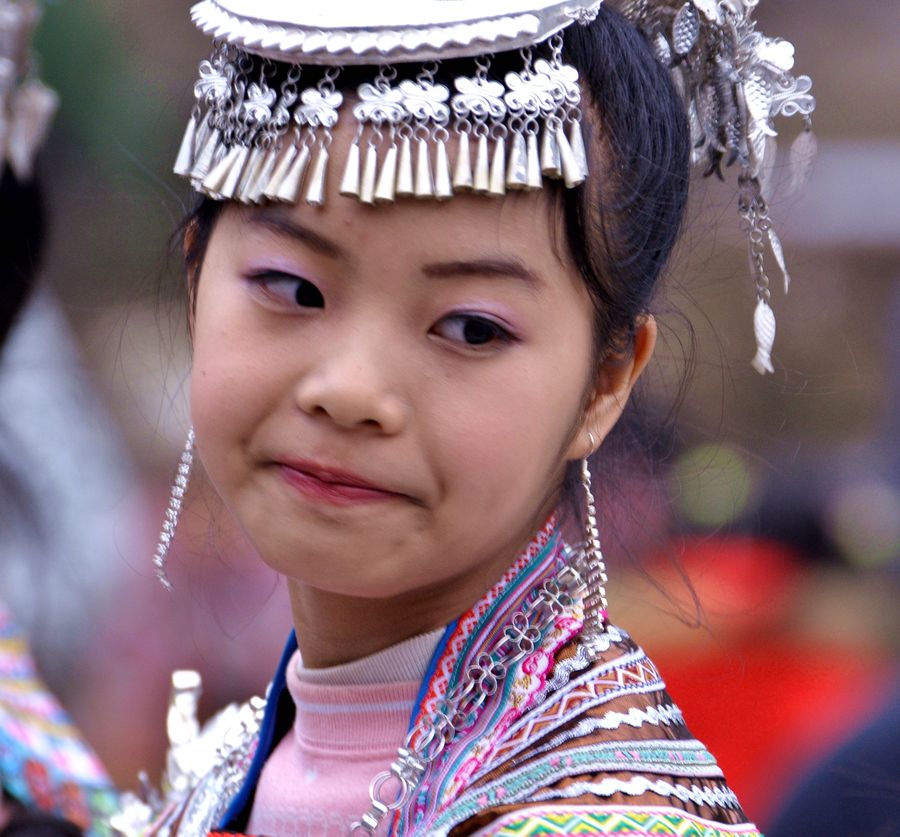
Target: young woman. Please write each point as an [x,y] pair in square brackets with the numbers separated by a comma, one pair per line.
[398,399]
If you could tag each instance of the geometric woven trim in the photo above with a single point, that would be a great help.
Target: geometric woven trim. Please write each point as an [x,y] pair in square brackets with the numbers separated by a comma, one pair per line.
[715,797]
[600,821]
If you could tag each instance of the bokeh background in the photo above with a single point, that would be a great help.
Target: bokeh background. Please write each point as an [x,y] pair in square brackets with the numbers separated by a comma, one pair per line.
[779,496]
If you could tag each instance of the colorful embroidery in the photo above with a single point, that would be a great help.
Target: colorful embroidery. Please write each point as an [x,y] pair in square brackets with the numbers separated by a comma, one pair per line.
[540,706]
[477,630]
[666,715]
[713,797]
[470,626]
[43,762]
[631,674]
[600,822]
[671,758]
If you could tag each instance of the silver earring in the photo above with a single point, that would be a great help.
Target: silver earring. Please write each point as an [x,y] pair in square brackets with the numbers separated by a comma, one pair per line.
[595,605]
[173,511]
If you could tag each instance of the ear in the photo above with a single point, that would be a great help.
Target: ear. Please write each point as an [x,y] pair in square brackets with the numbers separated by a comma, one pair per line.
[617,377]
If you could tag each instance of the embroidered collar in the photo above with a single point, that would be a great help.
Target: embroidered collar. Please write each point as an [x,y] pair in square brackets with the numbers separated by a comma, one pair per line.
[460,644]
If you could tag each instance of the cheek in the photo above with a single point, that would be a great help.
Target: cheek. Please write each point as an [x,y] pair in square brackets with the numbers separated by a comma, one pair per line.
[506,444]
[227,387]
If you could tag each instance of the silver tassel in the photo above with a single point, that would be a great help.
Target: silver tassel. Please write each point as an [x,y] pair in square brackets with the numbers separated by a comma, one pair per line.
[203,162]
[251,174]
[424,180]
[288,155]
[386,187]
[289,188]
[576,141]
[214,182]
[185,160]
[517,168]
[497,185]
[350,182]
[367,189]
[443,187]
[535,178]
[264,175]
[315,191]
[405,186]
[229,189]
[204,130]
[482,169]
[462,173]
[551,165]
[572,173]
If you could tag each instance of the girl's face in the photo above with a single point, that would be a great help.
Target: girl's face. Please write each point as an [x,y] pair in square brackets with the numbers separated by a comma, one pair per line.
[387,398]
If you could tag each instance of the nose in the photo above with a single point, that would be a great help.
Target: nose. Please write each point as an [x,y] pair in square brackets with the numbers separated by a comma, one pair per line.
[350,384]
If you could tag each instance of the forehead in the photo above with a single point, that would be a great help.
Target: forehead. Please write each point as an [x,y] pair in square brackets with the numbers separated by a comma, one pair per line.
[524,224]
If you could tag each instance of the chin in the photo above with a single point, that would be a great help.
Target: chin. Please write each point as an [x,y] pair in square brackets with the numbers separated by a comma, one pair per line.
[317,568]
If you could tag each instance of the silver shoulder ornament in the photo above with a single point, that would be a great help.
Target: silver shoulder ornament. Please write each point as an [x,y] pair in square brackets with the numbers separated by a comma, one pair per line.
[205,767]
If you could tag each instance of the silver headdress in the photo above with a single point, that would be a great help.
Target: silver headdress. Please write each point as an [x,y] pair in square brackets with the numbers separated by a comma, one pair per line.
[26,105]
[267,102]
[735,81]
[260,130]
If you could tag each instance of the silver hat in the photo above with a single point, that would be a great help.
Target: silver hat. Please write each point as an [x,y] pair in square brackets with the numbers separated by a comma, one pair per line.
[267,102]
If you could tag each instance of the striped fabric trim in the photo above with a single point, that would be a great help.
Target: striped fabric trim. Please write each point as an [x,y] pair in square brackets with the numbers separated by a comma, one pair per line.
[640,821]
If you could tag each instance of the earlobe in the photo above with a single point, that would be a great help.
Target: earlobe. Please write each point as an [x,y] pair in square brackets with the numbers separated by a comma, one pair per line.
[615,382]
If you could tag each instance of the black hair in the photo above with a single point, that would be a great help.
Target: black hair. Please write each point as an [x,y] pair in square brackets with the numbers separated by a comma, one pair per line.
[622,224]
[21,242]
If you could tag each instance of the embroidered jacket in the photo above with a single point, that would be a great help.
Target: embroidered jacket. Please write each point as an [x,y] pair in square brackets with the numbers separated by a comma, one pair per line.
[43,762]
[571,741]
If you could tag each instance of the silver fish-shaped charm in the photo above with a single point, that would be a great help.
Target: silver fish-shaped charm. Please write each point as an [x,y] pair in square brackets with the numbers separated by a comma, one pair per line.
[764,329]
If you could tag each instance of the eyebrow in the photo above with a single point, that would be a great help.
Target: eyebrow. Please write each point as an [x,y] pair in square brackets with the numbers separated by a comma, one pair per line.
[277,222]
[500,268]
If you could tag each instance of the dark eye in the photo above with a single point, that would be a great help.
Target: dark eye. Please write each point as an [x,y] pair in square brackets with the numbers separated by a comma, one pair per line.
[472,330]
[308,295]
[289,289]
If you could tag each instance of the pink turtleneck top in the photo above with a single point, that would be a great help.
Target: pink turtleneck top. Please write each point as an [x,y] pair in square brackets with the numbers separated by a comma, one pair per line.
[349,722]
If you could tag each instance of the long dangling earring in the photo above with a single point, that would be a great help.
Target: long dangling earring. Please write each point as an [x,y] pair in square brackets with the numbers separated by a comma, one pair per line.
[173,512]
[595,606]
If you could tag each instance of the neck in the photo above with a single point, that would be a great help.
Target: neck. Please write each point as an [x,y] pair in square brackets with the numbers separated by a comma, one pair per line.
[333,629]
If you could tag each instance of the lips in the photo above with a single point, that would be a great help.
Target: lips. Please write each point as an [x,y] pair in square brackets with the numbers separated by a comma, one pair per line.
[331,484]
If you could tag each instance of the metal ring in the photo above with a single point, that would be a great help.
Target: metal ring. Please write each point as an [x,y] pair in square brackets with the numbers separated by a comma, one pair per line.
[378,784]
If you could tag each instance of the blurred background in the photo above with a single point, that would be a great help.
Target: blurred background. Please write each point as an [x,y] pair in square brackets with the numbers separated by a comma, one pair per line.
[779,496]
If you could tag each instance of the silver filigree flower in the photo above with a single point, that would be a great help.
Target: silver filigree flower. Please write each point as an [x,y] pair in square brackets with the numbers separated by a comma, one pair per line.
[478,98]
[379,103]
[258,104]
[426,101]
[319,109]
[214,84]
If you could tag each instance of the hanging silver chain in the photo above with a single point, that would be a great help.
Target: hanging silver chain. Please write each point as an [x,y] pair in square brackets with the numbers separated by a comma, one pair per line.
[755,218]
